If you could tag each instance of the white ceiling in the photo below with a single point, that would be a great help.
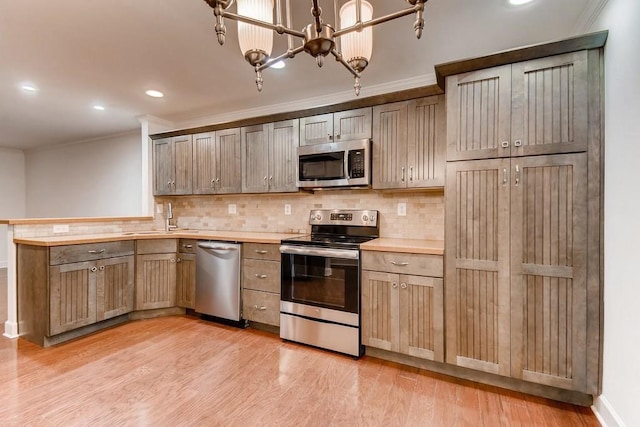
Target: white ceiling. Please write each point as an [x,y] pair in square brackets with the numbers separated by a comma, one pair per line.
[81,52]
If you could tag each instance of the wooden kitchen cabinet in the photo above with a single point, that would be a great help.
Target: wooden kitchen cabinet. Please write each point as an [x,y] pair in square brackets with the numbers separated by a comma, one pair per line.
[156,274]
[528,108]
[216,162]
[403,312]
[172,165]
[261,283]
[186,274]
[409,144]
[269,157]
[333,127]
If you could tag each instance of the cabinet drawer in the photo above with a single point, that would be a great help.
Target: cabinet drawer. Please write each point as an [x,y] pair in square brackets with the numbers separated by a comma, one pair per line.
[187,246]
[261,251]
[89,252]
[156,246]
[261,275]
[262,307]
[403,263]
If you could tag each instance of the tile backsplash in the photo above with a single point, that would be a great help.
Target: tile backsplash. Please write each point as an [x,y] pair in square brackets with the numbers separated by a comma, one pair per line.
[265,213]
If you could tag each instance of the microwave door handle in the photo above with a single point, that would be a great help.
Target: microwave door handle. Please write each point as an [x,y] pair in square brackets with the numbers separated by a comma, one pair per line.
[346,164]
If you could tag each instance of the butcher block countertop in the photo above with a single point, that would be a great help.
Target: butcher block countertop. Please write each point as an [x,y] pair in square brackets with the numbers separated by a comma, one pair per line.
[39,221]
[413,246]
[229,236]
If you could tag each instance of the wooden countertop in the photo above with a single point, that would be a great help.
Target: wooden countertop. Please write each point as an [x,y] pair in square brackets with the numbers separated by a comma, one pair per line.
[229,236]
[36,221]
[414,246]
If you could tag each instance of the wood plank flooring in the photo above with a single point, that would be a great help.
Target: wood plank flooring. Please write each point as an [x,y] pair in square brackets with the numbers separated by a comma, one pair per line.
[3,297]
[181,371]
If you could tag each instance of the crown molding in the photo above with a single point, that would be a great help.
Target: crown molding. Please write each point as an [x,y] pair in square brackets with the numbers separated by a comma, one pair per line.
[589,15]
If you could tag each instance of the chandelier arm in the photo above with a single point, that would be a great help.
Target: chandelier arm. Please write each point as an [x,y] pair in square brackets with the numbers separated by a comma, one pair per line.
[380,20]
[262,24]
[341,60]
[289,25]
[286,55]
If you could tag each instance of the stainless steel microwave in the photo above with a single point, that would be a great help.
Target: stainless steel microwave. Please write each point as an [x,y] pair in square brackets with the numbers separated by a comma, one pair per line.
[334,164]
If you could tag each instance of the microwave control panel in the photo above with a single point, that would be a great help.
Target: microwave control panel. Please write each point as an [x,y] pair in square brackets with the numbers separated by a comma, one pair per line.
[356,163]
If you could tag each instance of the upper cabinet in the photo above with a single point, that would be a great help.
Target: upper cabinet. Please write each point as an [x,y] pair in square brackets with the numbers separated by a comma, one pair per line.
[269,157]
[529,108]
[172,160]
[216,162]
[341,126]
[409,144]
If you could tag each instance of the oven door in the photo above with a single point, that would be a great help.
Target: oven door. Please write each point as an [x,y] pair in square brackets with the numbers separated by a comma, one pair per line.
[321,277]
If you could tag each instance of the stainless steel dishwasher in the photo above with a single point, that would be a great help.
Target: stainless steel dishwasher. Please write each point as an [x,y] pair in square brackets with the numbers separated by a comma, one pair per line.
[218,280]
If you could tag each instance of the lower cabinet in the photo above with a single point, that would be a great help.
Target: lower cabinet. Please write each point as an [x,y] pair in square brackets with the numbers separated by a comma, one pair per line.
[114,287]
[403,312]
[156,274]
[186,274]
[261,283]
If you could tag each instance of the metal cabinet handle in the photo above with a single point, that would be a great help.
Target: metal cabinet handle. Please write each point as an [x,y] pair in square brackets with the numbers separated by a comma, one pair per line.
[399,263]
[394,285]
[338,135]
[101,268]
[261,251]
[504,177]
[403,174]
[93,269]
[411,173]
[213,180]
[261,276]
[265,180]
[505,144]
[517,175]
[403,285]
[261,307]
[330,136]
[187,246]
[94,252]
[517,143]
[271,178]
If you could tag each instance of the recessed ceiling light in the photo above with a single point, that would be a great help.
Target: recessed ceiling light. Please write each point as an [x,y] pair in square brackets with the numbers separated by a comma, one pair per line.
[29,87]
[155,93]
[98,107]
[519,2]
[278,65]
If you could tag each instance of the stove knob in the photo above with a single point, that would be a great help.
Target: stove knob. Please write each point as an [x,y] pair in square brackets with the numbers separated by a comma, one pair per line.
[372,218]
[318,217]
[365,218]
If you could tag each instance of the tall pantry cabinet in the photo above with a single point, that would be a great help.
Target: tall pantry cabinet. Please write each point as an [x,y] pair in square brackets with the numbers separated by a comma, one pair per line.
[523,202]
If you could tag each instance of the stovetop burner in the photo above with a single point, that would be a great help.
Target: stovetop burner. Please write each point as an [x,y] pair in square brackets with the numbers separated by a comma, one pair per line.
[329,241]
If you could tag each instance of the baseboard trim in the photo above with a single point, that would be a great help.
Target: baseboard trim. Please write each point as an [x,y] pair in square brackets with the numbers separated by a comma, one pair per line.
[605,413]
[10,329]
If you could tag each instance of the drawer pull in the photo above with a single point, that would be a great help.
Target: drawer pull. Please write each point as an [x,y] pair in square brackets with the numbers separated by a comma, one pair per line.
[187,246]
[399,264]
[261,307]
[261,251]
[94,252]
[261,276]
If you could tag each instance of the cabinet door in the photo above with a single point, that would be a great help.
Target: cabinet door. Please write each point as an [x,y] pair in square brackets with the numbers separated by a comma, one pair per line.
[255,155]
[114,290]
[282,156]
[550,105]
[183,153]
[426,142]
[186,281]
[479,114]
[380,310]
[155,281]
[316,129]
[390,146]
[352,124]
[72,296]
[421,317]
[229,153]
[548,269]
[163,167]
[477,265]
[205,168]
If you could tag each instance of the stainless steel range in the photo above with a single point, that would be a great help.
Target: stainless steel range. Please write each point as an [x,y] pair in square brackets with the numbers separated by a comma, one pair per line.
[320,295]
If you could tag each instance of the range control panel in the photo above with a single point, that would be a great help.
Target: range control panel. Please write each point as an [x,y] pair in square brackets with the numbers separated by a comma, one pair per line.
[365,218]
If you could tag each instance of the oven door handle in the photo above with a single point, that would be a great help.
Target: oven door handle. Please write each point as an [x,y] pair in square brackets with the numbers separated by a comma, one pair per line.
[324,252]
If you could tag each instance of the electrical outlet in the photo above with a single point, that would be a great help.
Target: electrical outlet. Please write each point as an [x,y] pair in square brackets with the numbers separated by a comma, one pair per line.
[232,208]
[61,228]
[402,209]
[159,208]
[287,209]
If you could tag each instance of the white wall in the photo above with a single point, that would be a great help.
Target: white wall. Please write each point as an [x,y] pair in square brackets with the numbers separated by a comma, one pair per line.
[12,193]
[95,178]
[621,375]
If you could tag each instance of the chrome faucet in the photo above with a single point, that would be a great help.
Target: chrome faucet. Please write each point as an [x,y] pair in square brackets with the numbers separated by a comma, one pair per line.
[167,224]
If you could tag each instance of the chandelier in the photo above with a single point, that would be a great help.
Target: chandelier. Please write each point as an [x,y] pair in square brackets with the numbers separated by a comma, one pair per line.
[355,17]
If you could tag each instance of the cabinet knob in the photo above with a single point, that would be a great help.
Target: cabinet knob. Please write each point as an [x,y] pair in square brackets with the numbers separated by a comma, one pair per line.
[179,260]
[394,285]
[403,285]
[517,143]
[93,269]
[505,144]
[173,261]
[101,268]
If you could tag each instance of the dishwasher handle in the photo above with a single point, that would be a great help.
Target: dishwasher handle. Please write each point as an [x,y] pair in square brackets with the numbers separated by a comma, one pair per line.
[217,246]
